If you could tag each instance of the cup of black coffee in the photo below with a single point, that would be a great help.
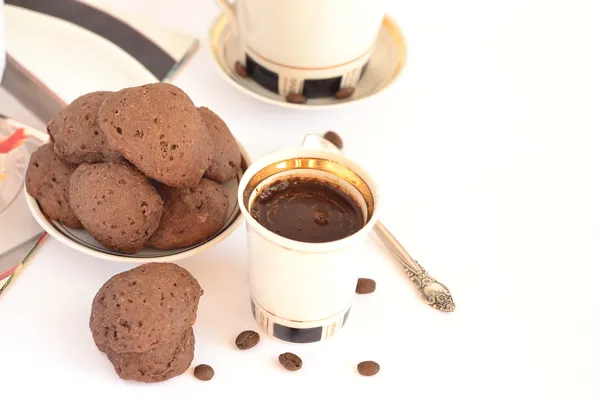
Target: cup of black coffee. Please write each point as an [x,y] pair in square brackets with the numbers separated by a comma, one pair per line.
[308,214]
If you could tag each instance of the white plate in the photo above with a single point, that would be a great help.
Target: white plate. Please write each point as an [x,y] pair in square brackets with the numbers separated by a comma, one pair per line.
[386,63]
[80,239]
[17,226]
[66,75]
[13,162]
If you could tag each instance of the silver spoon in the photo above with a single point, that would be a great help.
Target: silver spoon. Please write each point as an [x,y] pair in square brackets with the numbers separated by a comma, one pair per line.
[434,293]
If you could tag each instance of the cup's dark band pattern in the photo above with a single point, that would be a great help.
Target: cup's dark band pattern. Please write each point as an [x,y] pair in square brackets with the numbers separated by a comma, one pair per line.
[279,329]
[312,88]
[264,77]
[297,335]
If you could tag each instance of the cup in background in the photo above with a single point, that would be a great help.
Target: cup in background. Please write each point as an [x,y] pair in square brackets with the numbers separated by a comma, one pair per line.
[311,47]
[302,292]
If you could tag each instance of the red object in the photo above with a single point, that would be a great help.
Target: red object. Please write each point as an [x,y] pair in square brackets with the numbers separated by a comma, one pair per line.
[13,141]
[8,272]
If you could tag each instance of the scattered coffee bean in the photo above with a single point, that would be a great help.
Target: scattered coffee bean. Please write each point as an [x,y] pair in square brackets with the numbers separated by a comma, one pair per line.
[290,361]
[247,340]
[296,98]
[334,138]
[344,93]
[240,70]
[204,372]
[367,368]
[365,285]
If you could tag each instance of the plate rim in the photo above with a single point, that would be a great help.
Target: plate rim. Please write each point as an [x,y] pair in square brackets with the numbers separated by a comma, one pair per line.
[23,150]
[388,22]
[38,215]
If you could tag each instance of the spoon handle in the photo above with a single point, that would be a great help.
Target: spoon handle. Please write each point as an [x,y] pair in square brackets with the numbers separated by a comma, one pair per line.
[434,293]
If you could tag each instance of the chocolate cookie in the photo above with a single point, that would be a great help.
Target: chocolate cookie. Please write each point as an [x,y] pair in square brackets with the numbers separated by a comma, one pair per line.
[190,215]
[75,134]
[158,129]
[143,308]
[157,365]
[116,205]
[226,158]
[47,181]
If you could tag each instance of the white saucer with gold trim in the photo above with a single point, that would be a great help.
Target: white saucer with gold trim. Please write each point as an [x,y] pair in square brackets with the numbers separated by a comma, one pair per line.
[387,61]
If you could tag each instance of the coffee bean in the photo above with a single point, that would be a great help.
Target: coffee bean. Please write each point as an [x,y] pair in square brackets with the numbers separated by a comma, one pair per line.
[247,340]
[365,285]
[290,361]
[204,372]
[241,70]
[334,138]
[296,98]
[367,368]
[344,93]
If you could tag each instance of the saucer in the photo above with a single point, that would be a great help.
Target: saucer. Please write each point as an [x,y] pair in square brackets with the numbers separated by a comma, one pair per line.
[389,57]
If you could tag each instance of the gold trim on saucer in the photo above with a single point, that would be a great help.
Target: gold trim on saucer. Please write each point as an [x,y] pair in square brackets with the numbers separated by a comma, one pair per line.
[390,25]
[217,32]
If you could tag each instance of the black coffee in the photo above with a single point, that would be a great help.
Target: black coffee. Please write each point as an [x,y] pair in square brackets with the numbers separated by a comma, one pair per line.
[307,210]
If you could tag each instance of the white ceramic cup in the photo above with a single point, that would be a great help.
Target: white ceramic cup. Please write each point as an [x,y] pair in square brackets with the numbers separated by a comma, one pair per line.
[302,292]
[305,42]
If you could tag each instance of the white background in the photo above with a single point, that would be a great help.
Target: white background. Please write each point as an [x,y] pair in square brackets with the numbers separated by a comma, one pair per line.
[487,148]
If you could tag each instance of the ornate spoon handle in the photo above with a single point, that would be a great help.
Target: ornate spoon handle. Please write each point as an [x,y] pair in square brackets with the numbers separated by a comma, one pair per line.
[434,293]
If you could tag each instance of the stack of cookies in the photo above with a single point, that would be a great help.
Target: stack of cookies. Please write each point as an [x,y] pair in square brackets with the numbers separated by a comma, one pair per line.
[139,167]
[142,320]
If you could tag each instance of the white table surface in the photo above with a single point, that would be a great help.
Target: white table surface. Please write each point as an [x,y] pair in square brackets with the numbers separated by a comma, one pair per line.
[487,148]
